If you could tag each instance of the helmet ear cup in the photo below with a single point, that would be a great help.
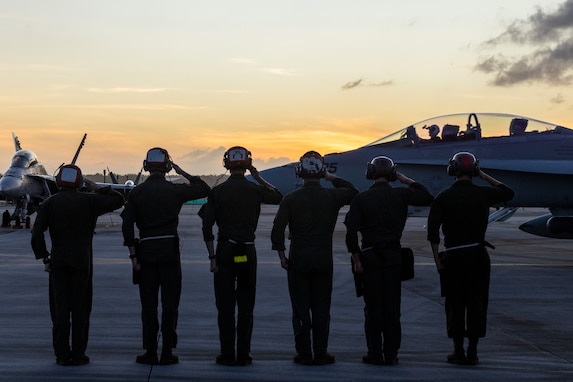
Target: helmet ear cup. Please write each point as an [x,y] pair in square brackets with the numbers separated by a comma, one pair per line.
[393,175]
[451,168]
[370,171]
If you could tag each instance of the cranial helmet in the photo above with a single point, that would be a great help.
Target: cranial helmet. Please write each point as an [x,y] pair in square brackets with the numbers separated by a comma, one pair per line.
[381,167]
[237,157]
[311,166]
[463,163]
[69,176]
[434,130]
[157,159]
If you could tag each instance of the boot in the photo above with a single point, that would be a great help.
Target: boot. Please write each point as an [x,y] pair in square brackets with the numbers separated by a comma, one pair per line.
[458,357]
[472,358]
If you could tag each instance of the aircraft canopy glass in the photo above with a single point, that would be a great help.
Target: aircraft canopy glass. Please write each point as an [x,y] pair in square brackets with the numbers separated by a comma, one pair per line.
[469,126]
[24,159]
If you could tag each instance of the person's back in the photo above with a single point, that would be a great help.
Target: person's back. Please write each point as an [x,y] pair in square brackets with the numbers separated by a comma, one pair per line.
[465,208]
[461,211]
[154,207]
[158,203]
[310,213]
[379,215]
[313,213]
[234,206]
[71,216]
[72,219]
[237,206]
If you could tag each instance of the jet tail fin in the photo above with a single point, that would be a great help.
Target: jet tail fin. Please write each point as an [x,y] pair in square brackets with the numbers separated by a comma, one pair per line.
[113,177]
[17,145]
[137,178]
[79,149]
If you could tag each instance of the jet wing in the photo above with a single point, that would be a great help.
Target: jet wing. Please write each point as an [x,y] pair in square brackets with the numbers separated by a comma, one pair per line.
[522,165]
[115,186]
[47,178]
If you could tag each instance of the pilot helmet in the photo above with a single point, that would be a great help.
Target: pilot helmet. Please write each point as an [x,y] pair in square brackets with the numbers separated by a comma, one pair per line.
[237,157]
[433,130]
[381,166]
[69,176]
[311,166]
[157,159]
[463,163]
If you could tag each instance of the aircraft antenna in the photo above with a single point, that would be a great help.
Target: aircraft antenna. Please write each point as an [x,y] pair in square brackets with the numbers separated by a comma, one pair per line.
[79,149]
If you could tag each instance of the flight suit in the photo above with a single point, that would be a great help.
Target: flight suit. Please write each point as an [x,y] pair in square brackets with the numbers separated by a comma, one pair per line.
[310,213]
[462,212]
[235,206]
[379,214]
[71,217]
[154,207]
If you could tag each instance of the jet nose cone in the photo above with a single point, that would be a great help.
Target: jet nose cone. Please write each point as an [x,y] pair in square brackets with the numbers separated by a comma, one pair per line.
[10,186]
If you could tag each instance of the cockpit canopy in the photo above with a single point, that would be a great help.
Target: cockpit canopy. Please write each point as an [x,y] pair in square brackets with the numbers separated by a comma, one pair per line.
[472,126]
[24,159]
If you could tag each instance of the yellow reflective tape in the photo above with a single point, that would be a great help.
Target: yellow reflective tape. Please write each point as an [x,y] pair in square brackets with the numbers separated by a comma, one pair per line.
[241,259]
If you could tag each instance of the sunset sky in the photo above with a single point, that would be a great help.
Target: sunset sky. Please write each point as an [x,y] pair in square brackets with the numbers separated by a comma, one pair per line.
[278,77]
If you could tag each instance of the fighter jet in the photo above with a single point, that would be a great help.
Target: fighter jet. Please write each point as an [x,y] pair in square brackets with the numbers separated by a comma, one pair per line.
[27,183]
[533,157]
[129,184]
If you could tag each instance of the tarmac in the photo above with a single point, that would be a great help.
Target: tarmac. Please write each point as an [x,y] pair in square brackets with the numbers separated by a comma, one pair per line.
[528,338]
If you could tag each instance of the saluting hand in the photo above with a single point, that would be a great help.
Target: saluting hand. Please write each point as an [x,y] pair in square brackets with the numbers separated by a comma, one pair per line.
[253,170]
[328,176]
[403,178]
[176,168]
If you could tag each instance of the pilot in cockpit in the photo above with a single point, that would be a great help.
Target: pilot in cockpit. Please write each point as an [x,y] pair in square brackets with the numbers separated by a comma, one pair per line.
[433,130]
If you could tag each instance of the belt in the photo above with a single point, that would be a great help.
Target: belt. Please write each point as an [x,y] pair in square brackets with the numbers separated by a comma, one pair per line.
[462,246]
[240,242]
[158,237]
[392,245]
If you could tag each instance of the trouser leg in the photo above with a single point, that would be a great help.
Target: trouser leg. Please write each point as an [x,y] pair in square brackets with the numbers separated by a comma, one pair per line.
[81,309]
[321,292]
[372,308]
[299,290]
[246,292]
[148,292]
[391,299]
[61,288]
[170,276]
[224,282]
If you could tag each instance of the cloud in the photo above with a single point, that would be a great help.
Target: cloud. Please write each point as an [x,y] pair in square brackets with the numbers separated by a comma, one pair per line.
[361,82]
[558,99]
[548,41]
[279,71]
[210,161]
[352,84]
[156,107]
[127,90]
